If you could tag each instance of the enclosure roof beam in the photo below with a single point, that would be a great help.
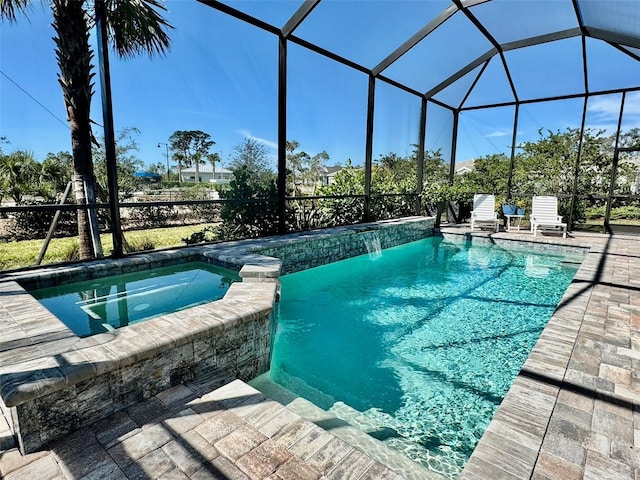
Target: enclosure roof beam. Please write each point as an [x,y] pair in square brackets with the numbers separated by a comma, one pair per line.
[585,66]
[326,53]
[472,3]
[442,104]
[415,39]
[540,39]
[480,26]
[461,73]
[625,51]
[613,37]
[578,12]
[298,17]
[399,85]
[551,99]
[475,82]
[224,8]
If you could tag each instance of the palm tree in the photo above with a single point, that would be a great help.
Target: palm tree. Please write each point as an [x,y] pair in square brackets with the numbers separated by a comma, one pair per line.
[213,159]
[19,174]
[191,147]
[133,26]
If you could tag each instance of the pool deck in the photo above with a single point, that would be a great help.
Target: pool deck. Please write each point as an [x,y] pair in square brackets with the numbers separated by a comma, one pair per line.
[571,412]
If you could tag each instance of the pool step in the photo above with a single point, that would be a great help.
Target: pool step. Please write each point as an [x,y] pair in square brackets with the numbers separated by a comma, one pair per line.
[345,431]
[380,428]
[7,440]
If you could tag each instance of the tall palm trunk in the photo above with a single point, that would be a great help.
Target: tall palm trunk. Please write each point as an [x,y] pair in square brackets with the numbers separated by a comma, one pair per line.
[74,55]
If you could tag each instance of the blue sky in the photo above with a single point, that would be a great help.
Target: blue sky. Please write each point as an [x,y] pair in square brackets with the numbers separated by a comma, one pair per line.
[221,77]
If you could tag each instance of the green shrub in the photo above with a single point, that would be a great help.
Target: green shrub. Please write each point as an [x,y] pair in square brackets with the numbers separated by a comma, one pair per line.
[206,213]
[627,212]
[207,234]
[256,216]
[33,225]
[384,207]
[152,216]
[251,213]
[139,244]
[344,211]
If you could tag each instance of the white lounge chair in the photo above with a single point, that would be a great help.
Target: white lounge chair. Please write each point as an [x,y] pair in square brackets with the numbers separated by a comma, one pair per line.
[484,211]
[544,215]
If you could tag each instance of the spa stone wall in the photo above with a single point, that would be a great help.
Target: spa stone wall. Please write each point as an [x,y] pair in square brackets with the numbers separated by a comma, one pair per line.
[241,351]
[311,249]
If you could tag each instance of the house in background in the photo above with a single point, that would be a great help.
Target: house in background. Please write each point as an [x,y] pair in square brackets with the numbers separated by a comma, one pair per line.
[329,174]
[465,167]
[221,176]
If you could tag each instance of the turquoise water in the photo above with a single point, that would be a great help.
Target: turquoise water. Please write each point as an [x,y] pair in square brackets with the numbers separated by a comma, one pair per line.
[417,345]
[100,305]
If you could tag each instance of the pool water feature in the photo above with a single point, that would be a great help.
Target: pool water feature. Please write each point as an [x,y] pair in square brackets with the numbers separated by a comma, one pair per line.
[420,344]
[101,305]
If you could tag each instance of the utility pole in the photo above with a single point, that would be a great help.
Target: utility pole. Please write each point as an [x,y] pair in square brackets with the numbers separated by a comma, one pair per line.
[167,155]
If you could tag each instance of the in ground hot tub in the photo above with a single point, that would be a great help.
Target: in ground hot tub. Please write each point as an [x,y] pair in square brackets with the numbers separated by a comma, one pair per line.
[104,304]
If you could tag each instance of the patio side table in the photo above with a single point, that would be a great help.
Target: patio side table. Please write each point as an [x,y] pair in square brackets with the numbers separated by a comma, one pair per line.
[513,222]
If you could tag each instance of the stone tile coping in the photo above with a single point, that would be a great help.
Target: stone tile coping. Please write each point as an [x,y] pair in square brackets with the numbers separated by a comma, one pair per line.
[188,431]
[66,359]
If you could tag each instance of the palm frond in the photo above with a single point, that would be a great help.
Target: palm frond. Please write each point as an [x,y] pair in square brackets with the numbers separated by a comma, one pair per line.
[137,26]
[9,8]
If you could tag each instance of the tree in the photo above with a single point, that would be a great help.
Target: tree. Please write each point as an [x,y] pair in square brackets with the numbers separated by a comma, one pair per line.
[254,155]
[433,166]
[295,164]
[214,158]
[394,174]
[157,168]
[127,162]
[56,172]
[349,183]
[255,218]
[191,147]
[134,26]
[628,174]
[303,169]
[19,174]
[490,174]
[316,169]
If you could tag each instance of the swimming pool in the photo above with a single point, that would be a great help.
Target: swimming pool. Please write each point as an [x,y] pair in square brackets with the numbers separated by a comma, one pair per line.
[101,305]
[418,345]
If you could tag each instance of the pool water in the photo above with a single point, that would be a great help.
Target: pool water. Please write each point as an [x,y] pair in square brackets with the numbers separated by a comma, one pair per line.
[417,345]
[101,305]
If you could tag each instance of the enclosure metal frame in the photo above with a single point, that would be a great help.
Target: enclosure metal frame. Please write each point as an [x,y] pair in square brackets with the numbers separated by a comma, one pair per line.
[375,74]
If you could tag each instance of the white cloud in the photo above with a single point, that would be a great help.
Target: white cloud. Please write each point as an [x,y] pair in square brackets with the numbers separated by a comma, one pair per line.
[267,143]
[605,110]
[499,133]
[605,107]
[608,107]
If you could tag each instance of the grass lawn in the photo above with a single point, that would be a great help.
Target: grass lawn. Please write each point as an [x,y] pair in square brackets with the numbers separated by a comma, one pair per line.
[25,253]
